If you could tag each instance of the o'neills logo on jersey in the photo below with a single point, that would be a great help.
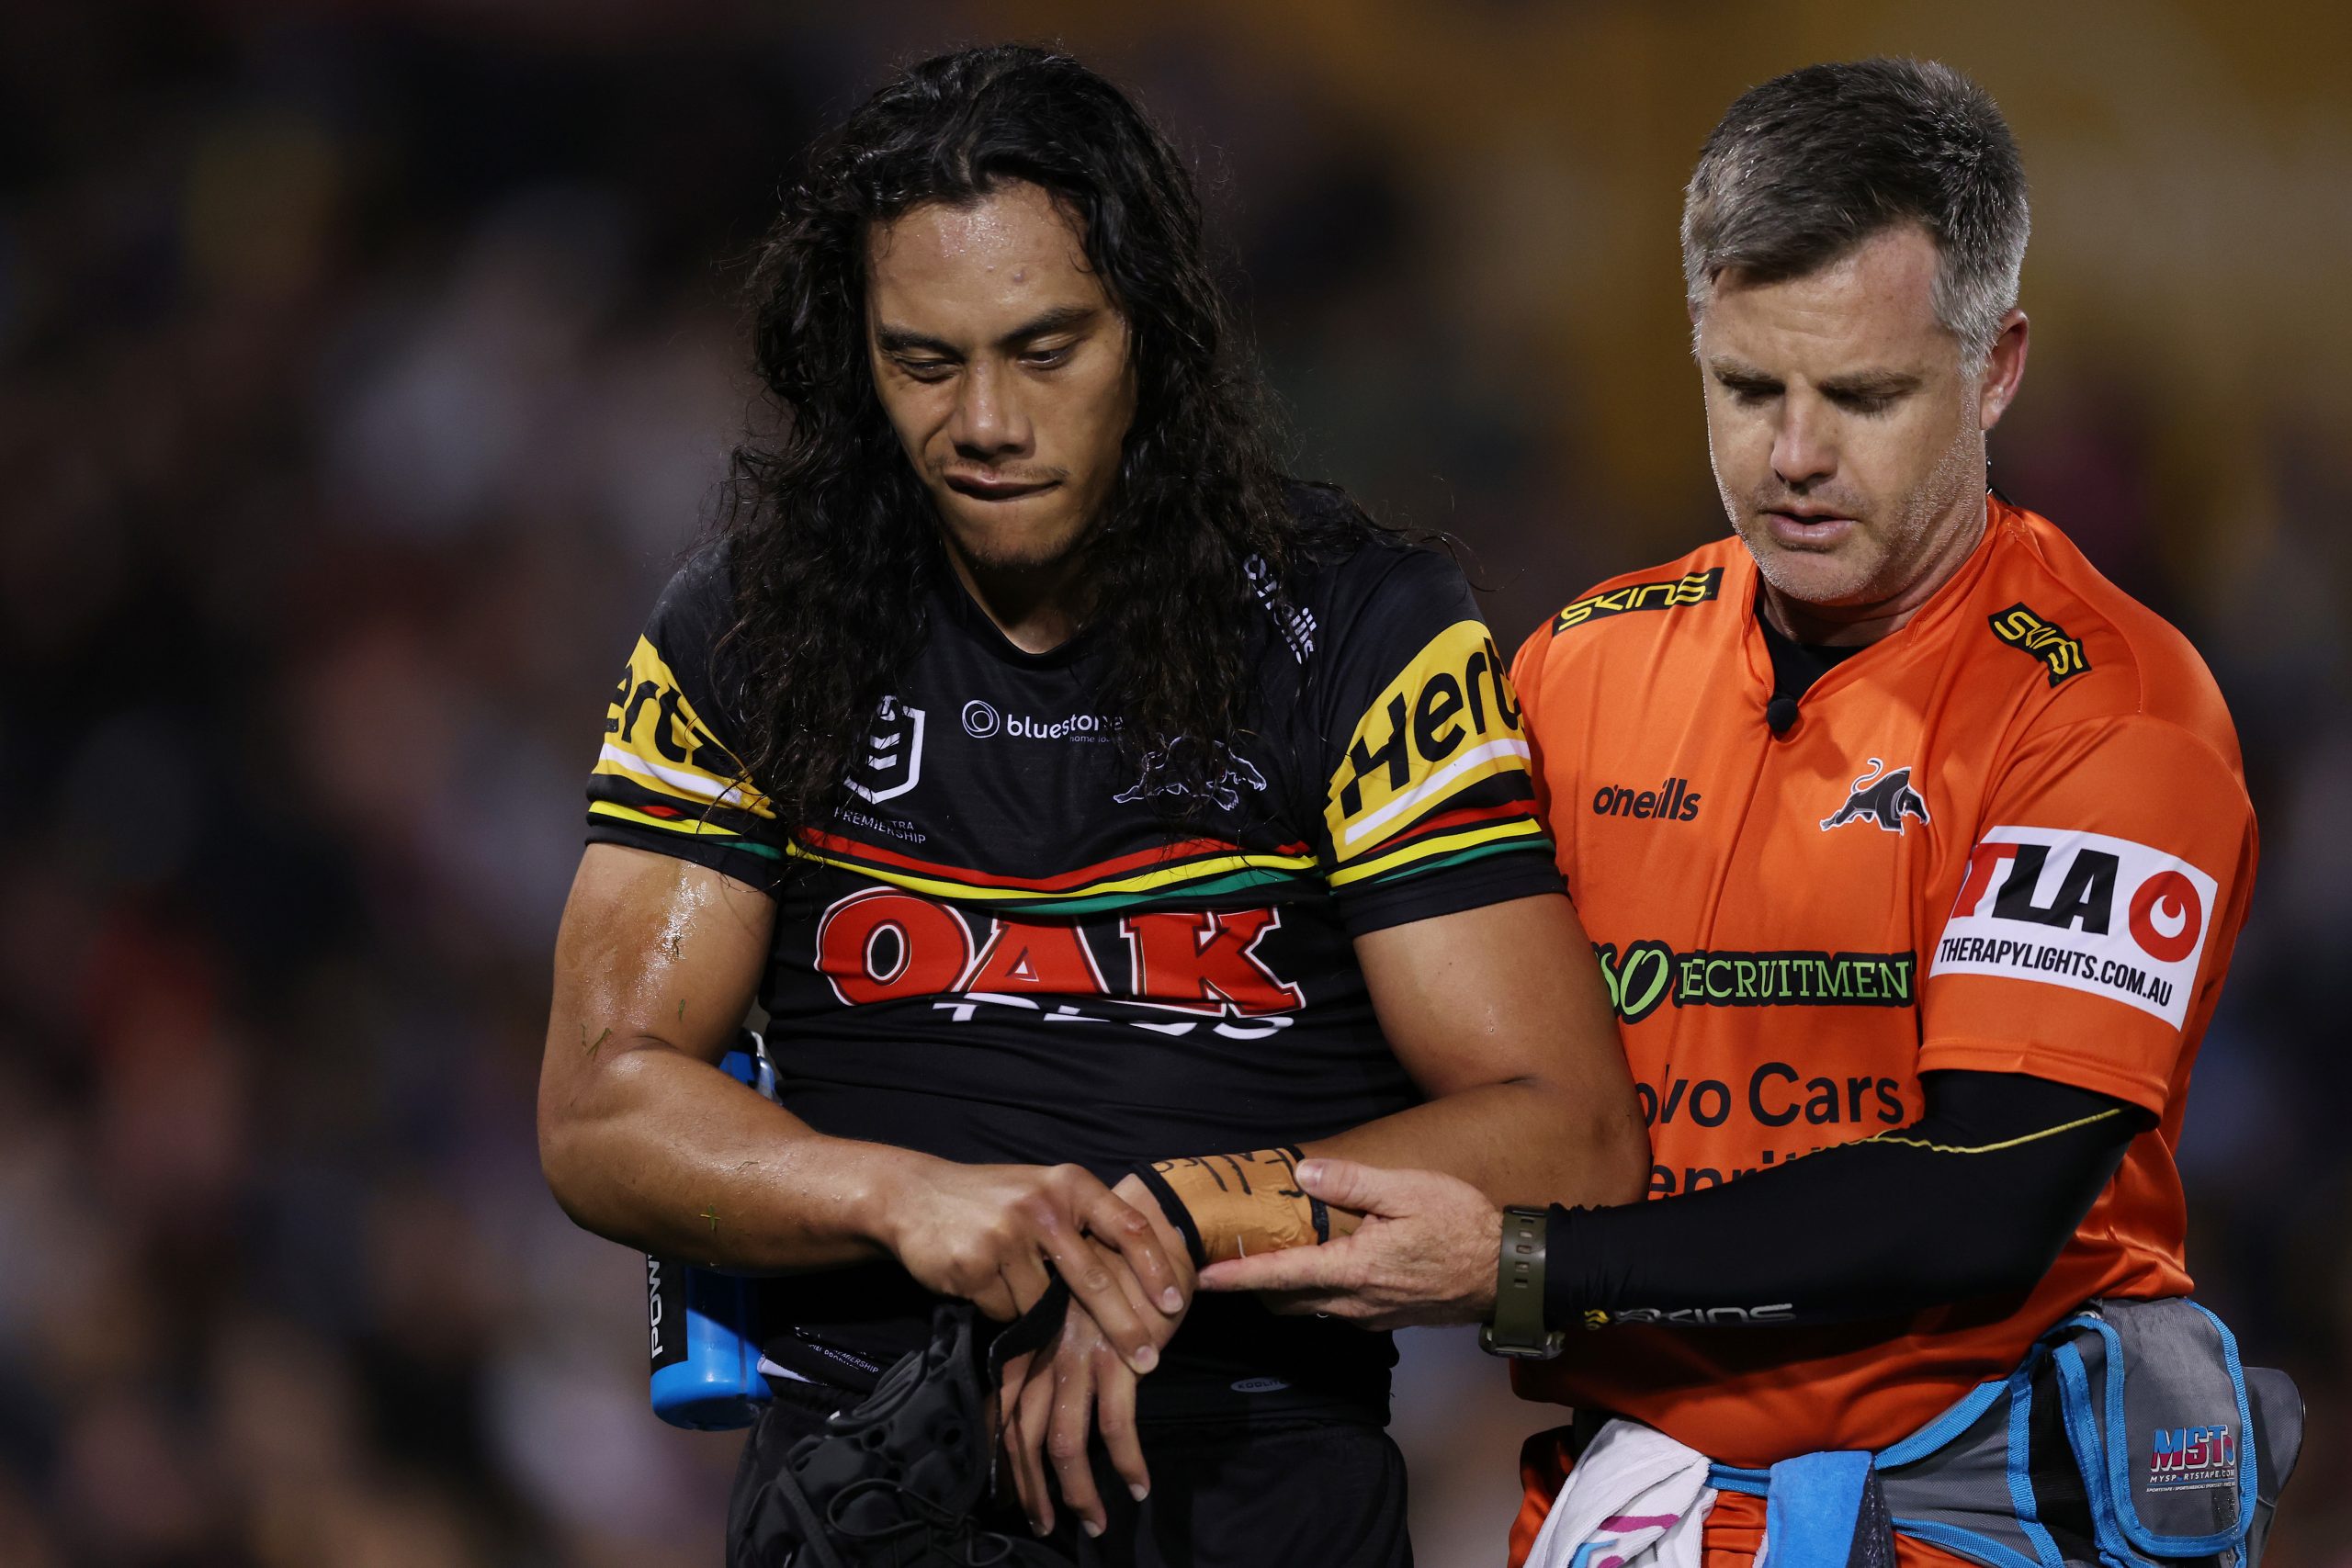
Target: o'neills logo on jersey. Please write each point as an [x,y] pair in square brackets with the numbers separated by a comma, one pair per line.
[1673,801]
[882,945]
[2107,916]
[1667,593]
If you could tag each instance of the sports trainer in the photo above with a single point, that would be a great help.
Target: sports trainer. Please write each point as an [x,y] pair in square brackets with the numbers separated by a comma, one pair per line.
[1078,796]
[1913,851]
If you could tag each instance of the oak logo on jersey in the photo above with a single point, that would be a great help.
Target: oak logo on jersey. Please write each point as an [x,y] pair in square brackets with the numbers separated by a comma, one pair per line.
[1448,720]
[2046,640]
[1881,797]
[2107,916]
[890,762]
[1666,593]
[1649,973]
[883,945]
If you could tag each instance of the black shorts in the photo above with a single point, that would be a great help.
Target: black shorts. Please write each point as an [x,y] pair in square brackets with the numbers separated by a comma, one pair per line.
[1281,1492]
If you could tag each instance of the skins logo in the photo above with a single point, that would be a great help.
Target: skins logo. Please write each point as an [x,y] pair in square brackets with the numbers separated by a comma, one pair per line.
[1694,1317]
[891,763]
[2105,916]
[1666,593]
[2046,640]
[2186,1458]
[1883,797]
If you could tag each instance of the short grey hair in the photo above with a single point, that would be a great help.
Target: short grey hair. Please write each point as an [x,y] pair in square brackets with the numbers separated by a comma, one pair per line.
[1808,166]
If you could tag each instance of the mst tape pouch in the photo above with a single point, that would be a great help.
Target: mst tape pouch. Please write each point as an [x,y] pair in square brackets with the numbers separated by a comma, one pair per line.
[2183,1450]
[2131,1437]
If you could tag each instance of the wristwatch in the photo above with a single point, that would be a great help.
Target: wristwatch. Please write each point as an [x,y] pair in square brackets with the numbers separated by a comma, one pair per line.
[1518,1329]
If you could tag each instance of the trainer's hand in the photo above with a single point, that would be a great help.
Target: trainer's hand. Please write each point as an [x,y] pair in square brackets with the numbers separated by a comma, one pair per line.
[986,1231]
[1425,1253]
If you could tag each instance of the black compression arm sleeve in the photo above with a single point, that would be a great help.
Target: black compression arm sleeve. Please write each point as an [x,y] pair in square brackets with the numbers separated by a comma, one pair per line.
[1976,1198]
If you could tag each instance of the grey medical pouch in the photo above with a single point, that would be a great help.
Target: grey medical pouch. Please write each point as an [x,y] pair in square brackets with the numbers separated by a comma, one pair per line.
[2129,1435]
[2183,1450]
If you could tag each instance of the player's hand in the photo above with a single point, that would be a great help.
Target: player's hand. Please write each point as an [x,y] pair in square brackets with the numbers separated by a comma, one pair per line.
[1049,1403]
[1084,1387]
[1425,1253]
[986,1231]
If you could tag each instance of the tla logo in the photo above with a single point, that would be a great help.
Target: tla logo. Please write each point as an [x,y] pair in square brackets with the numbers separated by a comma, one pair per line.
[1883,797]
[2083,910]
[1673,801]
[2184,1458]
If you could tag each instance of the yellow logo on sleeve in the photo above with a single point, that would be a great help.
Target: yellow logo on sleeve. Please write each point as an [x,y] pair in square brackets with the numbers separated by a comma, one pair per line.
[2046,640]
[653,736]
[1666,593]
[1449,720]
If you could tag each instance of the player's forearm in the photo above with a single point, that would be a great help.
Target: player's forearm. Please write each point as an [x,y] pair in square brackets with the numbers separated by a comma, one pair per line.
[664,1152]
[1523,1142]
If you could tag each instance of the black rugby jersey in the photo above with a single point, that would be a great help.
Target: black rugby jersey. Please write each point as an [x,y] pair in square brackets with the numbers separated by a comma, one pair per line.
[1003,951]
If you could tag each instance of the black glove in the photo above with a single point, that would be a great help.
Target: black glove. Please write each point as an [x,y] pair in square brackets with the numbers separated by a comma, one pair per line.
[895,1479]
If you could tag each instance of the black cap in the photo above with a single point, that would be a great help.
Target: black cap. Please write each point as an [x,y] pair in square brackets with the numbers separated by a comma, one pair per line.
[1780,713]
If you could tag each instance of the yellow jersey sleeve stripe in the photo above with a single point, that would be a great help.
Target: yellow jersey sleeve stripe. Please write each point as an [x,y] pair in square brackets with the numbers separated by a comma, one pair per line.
[1478,762]
[1440,844]
[1192,871]
[693,826]
[686,783]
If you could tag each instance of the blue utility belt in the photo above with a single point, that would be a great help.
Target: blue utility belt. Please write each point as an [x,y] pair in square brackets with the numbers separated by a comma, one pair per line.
[2177,1451]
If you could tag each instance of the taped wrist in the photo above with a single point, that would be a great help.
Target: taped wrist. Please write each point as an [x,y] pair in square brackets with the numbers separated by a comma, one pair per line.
[1230,1206]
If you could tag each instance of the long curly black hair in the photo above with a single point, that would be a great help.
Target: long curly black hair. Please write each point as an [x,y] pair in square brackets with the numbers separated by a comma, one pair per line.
[830,538]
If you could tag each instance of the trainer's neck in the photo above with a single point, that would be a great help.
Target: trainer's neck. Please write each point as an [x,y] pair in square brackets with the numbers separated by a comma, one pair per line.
[1038,607]
[1859,625]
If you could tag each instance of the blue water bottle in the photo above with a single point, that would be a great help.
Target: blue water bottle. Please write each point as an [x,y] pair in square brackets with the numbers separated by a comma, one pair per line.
[705,1352]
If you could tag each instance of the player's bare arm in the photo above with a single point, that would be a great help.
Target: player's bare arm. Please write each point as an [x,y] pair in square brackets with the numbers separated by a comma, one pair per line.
[1499,1014]
[644,1140]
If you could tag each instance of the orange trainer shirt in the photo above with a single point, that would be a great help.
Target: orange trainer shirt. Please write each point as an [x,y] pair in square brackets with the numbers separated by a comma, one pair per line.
[2012,837]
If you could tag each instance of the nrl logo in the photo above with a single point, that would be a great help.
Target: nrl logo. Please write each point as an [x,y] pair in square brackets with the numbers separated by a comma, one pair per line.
[891,761]
[1883,797]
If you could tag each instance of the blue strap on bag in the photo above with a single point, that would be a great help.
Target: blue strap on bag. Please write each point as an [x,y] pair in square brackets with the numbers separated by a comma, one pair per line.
[2181,1452]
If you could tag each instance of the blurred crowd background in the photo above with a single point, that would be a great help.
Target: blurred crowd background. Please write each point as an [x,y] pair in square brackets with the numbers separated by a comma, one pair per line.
[363,369]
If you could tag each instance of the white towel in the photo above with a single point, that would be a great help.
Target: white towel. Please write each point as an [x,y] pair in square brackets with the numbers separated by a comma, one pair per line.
[1635,1499]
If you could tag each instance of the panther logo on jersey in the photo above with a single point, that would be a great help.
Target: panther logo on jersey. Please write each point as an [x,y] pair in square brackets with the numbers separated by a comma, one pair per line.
[1883,798]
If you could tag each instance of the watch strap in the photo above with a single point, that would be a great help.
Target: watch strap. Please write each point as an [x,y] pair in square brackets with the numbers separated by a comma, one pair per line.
[1518,1329]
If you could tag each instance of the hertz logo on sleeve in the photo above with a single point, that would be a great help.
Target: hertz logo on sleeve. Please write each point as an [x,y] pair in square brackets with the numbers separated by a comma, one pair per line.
[654,737]
[1448,720]
[1666,593]
[2046,640]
